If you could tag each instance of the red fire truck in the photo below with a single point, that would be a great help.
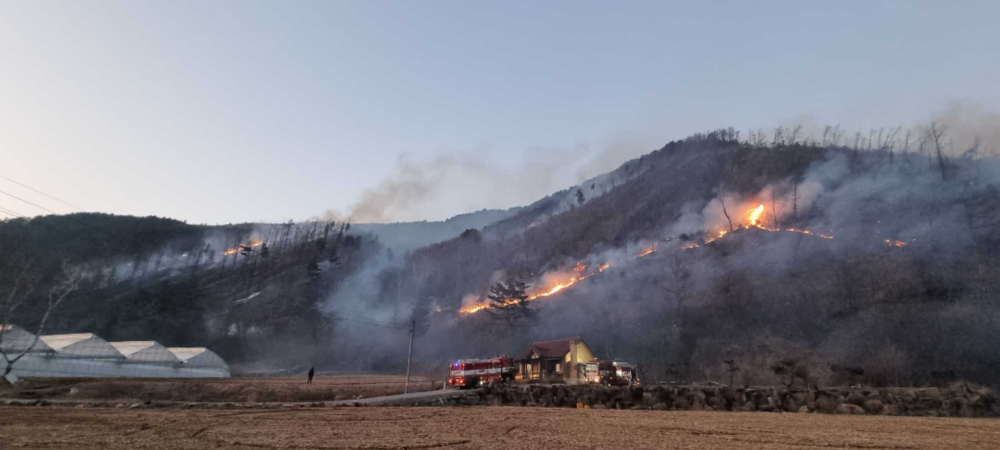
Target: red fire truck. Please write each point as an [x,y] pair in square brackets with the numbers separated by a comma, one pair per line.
[470,373]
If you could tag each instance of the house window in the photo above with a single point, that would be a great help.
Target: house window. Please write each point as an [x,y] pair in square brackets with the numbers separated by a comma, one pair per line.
[558,368]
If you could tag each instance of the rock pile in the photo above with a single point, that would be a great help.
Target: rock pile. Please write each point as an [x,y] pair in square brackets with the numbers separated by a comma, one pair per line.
[956,401]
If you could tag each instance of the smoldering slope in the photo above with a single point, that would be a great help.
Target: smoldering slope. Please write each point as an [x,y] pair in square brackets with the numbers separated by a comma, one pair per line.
[895,274]
[759,295]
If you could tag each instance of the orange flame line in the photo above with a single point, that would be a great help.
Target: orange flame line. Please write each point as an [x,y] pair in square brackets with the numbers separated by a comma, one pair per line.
[754,216]
[238,247]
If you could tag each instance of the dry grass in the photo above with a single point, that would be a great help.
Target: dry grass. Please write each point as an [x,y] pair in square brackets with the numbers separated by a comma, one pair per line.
[479,427]
[276,389]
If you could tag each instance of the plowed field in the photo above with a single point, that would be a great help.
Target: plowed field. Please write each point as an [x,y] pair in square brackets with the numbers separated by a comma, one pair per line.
[476,427]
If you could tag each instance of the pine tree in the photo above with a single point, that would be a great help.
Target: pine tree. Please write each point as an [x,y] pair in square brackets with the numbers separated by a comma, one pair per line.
[509,303]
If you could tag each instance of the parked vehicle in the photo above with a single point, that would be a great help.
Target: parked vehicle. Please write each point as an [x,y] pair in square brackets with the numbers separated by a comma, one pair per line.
[471,373]
[610,373]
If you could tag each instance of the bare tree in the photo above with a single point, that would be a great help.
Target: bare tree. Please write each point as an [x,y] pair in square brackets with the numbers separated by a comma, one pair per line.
[793,135]
[19,285]
[973,151]
[795,202]
[832,135]
[838,134]
[758,139]
[779,137]
[680,283]
[722,201]
[934,134]
[890,140]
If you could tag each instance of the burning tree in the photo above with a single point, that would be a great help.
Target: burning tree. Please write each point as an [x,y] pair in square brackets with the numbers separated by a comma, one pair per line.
[509,303]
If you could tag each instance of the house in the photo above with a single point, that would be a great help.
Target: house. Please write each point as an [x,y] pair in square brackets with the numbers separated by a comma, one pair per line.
[561,360]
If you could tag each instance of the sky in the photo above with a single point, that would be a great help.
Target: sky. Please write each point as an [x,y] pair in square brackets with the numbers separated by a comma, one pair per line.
[234,111]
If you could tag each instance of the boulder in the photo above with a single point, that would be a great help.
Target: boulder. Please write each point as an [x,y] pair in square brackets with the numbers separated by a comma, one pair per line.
[790,404]
[826,404]
[856,398]
[849,408]
[873,406]
[637,393]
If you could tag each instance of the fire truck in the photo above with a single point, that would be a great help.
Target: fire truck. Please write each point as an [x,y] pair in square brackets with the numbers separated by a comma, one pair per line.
[610,373]
[470,373]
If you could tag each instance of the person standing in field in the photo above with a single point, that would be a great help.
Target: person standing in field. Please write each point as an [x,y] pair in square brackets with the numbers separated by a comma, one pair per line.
[312,371]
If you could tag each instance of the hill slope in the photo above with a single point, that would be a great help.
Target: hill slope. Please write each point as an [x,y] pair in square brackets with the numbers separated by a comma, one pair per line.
[902,290]
[895,283]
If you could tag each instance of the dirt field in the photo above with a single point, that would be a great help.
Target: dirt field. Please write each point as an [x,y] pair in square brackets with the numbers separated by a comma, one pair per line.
[236,389]
[477,427]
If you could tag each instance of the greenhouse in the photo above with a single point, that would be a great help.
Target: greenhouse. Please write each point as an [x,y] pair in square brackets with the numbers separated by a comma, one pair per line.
[87,355]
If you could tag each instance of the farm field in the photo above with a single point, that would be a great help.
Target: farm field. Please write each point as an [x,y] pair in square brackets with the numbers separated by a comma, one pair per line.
[236,389]
[475,428]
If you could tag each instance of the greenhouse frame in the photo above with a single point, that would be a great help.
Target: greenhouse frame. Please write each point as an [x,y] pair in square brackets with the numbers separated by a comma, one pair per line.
[87,355]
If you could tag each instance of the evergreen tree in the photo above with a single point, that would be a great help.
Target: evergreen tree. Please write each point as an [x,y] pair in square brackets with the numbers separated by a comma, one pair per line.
[509,303]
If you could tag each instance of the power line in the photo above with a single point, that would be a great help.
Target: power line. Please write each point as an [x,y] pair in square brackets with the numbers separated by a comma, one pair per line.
[40,192]
[10,212]
[25,201]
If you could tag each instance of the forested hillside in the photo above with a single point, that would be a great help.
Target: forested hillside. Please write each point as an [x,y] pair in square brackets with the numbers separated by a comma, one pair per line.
[817,262]
[235,288]
[872,263]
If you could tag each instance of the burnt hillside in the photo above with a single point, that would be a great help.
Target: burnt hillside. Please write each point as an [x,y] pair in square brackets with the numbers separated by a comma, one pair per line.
[896,278]
[239,289]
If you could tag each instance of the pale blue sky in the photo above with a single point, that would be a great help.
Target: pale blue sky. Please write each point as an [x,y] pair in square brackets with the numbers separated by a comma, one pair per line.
[228,111]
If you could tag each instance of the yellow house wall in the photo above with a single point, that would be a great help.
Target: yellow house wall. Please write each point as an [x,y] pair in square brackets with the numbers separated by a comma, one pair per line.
[579,353]
[583,353]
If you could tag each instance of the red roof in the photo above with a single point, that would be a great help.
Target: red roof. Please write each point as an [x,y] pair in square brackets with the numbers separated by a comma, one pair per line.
[549,349]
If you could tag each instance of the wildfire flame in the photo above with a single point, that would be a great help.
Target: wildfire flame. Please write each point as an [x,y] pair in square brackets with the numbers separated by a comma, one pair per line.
[238,247]
[753,216]
[895,243]
[579,268]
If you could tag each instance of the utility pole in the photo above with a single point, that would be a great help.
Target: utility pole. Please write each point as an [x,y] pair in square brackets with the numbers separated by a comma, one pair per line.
[409,354]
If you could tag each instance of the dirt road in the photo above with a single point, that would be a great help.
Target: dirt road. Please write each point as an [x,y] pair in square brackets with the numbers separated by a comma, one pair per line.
[477,427]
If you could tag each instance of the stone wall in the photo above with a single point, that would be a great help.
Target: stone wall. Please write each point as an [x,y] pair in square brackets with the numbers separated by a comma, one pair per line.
[956,401]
